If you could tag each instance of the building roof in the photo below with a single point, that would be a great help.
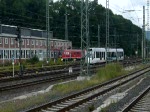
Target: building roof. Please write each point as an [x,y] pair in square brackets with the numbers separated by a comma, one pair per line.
[10,31]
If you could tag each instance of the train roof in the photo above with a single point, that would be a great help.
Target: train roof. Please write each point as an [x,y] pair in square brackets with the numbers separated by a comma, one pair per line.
[99,49]
[72,50]
[120,49]
[108,49]
[114,49]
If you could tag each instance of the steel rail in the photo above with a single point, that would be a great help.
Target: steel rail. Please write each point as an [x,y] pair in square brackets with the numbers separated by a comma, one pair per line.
[28,73]
[134,102]
[56,77]
[44,106]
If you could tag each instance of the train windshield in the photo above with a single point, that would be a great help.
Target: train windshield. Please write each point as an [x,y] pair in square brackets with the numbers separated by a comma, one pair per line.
[89,49]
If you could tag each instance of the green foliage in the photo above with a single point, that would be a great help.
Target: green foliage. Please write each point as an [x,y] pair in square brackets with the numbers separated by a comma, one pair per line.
[106,73]
[109,71]
[54,62]
[33,60]
[91,108]
[104,110]
[59,62]
[31,13]
[39,64]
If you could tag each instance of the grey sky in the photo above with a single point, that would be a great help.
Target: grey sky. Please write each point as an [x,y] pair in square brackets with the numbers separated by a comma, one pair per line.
[120,7]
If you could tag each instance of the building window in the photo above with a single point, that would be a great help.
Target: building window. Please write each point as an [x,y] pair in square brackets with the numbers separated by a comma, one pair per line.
[32,42]
[52,43]
[6,40]
[45,43]
[12,41]
[1,54]
[0,40]
[36,42]
[27,41]
[41,42]
[6,53]
[22,41]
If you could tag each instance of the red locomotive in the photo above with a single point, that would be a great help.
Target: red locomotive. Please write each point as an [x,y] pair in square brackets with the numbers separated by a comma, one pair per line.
[72,54]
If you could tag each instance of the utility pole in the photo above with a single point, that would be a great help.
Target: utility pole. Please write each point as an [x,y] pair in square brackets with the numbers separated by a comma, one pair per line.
[147,15]
[18,38]
[98,36]
[47,31]
[137,36]
[66,26]
[107,28]
[115,37]
[85,36]
[0,27]
[143,36]
[147,43]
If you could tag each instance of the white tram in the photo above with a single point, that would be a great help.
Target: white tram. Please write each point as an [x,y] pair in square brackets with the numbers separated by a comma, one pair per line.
[98,55]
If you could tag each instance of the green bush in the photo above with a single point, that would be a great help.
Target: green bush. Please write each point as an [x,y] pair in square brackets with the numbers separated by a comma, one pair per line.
[39,64]
[91,108]
[59,62]
[33,60]
[109,71]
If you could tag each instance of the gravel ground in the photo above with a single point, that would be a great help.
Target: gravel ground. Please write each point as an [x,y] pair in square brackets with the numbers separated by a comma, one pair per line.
[10,94]
[88,107]
[26,80]
[129,97]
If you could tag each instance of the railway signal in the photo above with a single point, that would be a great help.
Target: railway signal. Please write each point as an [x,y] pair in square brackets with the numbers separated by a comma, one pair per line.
[18,38]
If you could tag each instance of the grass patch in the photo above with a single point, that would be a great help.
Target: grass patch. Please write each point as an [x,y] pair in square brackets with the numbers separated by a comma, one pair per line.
[106,73]
[109,71]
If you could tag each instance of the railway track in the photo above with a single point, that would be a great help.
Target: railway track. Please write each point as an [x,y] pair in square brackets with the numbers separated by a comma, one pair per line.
[141,103]
[50,79]
[43,77]
[46,71]
[34,70]
[55,77]
[71,102]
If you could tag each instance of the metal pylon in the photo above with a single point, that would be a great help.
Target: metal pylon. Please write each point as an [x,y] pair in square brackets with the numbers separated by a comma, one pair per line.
[148,15]
[66,26]
[84,36]
[107,28]
[47,31]
[143,39]
[98,36]
[147,43]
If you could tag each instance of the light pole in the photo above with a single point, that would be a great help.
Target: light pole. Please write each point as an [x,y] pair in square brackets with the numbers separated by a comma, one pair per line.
[98,36]
[18,38]
[48,31]
[143,35]
[107,29]
[66,26]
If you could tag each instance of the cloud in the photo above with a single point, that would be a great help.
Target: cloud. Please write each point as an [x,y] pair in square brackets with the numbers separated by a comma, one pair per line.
[130,9]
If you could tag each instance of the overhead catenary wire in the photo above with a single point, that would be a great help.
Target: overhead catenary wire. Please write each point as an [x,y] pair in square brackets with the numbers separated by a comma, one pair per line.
[121,10]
